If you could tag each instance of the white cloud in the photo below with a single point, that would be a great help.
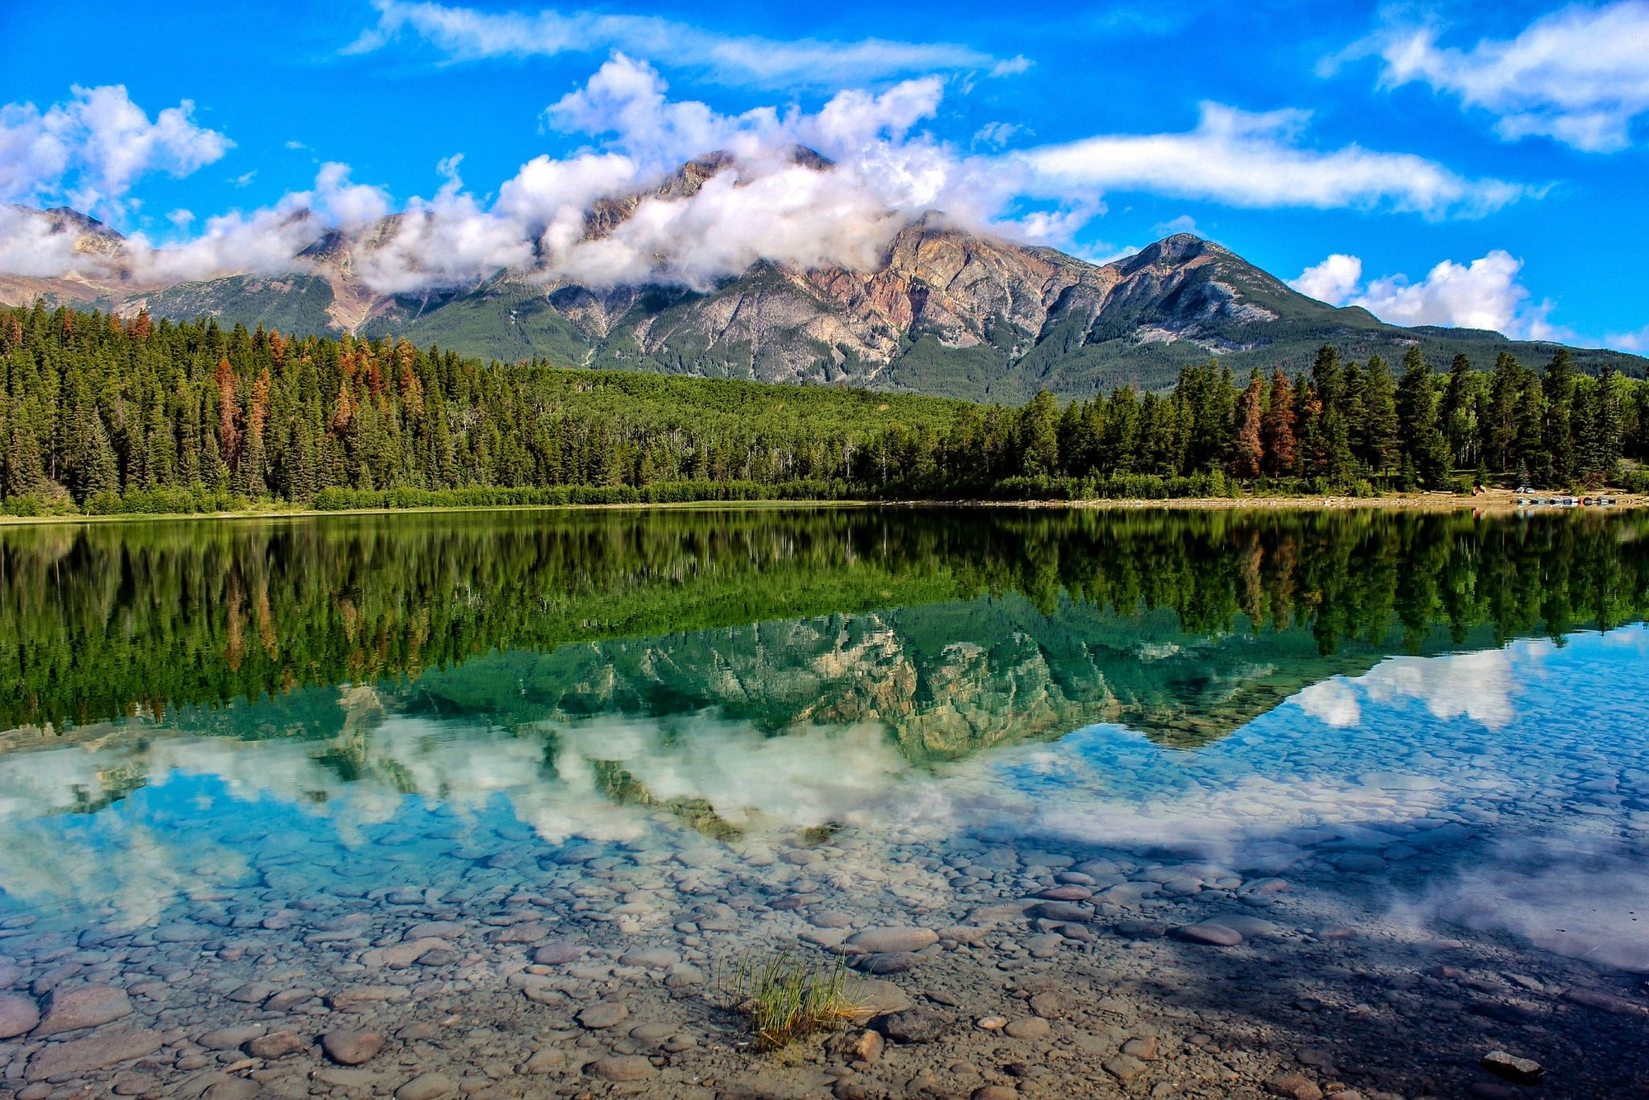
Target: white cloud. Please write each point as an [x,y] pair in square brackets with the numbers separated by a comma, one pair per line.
[1629,341]
[1579,75]
[466,34]
[995,135]
[1258,160]
[1185,223]
[91,149]
[1484,293]
[885,169]
[30,248]
[1334,281]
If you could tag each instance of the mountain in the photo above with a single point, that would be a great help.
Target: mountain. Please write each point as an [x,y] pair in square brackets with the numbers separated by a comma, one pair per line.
[947,311]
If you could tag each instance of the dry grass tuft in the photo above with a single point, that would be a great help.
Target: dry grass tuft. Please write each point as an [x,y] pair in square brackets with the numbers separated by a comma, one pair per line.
[786,996]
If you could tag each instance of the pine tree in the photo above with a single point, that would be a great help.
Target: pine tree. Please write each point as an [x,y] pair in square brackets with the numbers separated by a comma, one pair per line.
[1039,436]
[1424,450]
[1375,439]
[1557,435]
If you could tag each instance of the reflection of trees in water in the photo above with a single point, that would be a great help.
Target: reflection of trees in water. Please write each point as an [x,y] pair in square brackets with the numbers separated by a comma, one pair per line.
[100,621]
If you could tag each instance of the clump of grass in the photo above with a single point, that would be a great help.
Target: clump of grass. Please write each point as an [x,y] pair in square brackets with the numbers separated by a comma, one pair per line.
[786,996]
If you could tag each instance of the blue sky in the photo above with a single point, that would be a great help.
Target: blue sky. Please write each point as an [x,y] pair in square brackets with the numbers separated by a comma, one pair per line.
[1438,163]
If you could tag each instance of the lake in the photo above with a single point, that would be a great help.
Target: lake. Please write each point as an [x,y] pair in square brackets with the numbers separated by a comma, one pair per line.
[1090,803]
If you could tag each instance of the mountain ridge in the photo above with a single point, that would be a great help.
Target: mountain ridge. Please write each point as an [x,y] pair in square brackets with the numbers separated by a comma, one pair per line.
[947,311]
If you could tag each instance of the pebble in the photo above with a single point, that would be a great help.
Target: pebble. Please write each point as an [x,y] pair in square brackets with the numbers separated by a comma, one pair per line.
[427,1086]
[603,1014]
[1063,911]
[1125,1068]
[892,940]
[623,1067]
[1144,1048]
[1525,1071]
[650,960]
[349,1047]
[1295,1086]
[230,1038]
[1031,1028]
[1209,934]
[277,1044]
[557,953]
[913,1025]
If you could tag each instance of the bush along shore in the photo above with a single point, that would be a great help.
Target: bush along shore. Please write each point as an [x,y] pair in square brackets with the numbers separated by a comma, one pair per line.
[109,415]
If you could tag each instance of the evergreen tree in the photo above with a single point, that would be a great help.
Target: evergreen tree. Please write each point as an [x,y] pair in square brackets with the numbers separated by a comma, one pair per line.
[1557,435]
[1374,439]
[1424,450]
[1039,436]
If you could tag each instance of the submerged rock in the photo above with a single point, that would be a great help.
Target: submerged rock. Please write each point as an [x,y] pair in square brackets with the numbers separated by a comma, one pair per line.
[1208,934]
[913,1025]
[892,940]
[18,1015]
[83,1006]
[1525,1071]
[349,1047]
[78,1056]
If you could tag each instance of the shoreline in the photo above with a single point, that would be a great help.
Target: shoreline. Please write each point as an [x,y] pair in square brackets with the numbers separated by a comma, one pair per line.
[1497,501]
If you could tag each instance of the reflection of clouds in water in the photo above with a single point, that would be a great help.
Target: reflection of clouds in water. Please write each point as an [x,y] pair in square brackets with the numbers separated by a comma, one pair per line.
[806,777]
[1575,893]
[1277,792]
[135,870]
[1482,686]
[809,777]
[1331,702]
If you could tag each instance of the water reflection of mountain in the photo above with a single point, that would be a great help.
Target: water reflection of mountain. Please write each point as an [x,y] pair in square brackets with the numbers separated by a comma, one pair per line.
[944,680]
[953,631]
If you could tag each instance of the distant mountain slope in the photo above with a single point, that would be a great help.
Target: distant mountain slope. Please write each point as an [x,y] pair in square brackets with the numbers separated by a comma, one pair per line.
[947,312]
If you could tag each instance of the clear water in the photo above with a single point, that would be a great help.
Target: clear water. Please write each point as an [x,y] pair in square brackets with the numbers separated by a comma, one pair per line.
[259,751]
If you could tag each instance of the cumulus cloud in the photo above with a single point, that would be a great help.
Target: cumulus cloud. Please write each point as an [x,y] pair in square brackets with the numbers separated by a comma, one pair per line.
[1259,160]
[467,34]
[1334,281]
[608,215]
[91,149]
[1579,75]
[1484,293]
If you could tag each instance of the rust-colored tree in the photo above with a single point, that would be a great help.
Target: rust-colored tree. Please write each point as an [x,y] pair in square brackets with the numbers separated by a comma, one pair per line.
[1249,449]
[1277,427]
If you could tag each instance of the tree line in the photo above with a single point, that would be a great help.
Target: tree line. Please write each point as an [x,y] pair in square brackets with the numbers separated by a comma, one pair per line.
[103,413]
